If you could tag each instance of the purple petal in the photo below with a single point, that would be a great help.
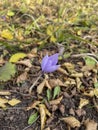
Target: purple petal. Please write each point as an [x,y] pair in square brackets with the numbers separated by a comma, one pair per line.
[54,58]
[44,62]
[51,68]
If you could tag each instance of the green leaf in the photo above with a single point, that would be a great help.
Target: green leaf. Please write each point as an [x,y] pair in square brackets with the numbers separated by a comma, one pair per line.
[33,118]
[56,91]
[90,61]
[14,58]
[49,94]
[96,85]
[7,71]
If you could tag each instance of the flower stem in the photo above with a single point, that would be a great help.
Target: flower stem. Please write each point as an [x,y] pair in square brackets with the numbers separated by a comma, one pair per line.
[30,89]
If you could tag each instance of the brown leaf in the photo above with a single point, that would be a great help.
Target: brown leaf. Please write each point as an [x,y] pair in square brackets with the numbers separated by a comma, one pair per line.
[40,87]
[71,111]
[33,105]
[54,108]
[1,61]
[22,77]
[56,101]
[95,103]
[61,70]
[26,62]
[62,109]
[33,53]
[71,121]
[48,128]
[80,112]
[90,125]
[47,84]
[56,82]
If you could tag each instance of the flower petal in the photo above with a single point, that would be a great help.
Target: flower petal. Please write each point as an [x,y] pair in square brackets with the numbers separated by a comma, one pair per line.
[51,68]
[54,58]
[44,62]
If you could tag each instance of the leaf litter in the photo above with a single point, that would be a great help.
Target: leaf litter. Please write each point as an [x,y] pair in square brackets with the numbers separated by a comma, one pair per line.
[68,97]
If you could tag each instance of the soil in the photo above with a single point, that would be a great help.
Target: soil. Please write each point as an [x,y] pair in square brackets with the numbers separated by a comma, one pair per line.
[16,118]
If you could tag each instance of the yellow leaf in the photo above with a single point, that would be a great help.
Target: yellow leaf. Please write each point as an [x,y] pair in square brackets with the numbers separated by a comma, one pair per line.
[43,112]
[5,93]
[79,32]
[53,39]
[2,105]
[96,92]
[14,58]
[71,121]
[83,102]
[50,30]
[2,102]
[39,1]
[42,115]
[7,34]
[14,102]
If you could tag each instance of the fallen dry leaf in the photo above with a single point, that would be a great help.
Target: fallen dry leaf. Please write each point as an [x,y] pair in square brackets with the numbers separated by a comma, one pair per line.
[22,77]
[78,82]
[87,68]
[90,124]
[96,92]
[56,82]
[33,53]
[80,112]
[40,87]
[1,61]
[70,67]
[70,81]
[71,121]
[33,105]
[5,93]
[56,101]
[14,102]
[48,128]
[61,70]
[26,62]
[2,105]
[47,84]
[79,75]
[83,102]
[43,112]
[90,93]
[62,109]
[2,102]
[95,103]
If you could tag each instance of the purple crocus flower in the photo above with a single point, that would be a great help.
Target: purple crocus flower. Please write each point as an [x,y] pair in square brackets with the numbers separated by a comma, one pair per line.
[49,63]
